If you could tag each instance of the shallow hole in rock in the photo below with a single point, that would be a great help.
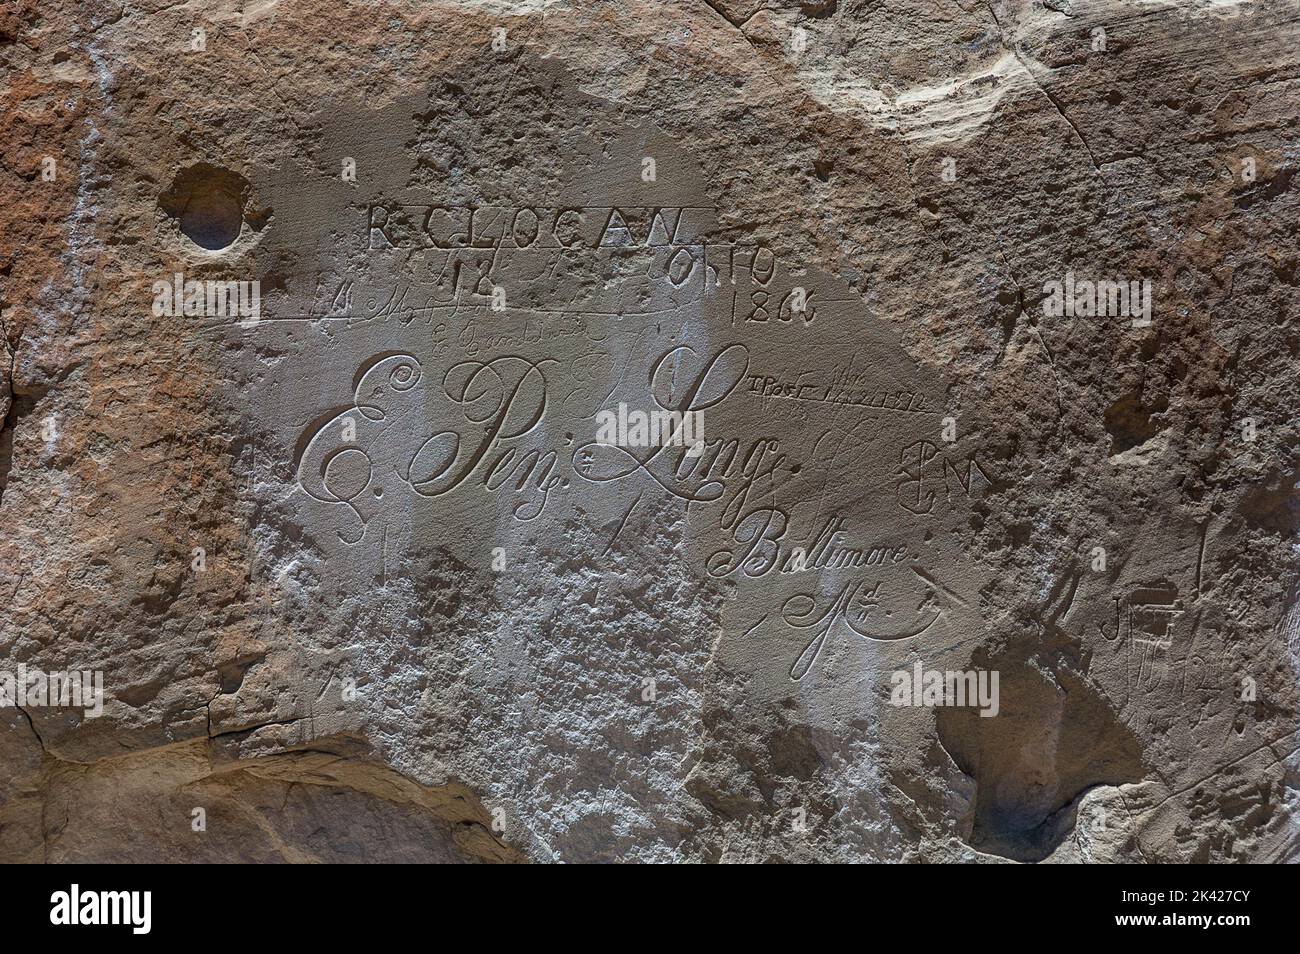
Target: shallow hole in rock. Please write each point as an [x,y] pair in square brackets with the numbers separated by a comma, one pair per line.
[1273,504]
[232,673]
[1129,421]
[818,9]
[1053,739]
[208,204]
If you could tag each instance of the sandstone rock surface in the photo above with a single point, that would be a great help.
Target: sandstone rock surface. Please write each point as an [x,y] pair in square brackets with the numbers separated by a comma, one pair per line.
[313,316]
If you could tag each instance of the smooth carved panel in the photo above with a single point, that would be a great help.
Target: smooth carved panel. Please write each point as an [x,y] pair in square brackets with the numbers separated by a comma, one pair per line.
[454,378]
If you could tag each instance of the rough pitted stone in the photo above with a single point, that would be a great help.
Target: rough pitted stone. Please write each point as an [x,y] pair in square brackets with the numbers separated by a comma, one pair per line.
[363,578]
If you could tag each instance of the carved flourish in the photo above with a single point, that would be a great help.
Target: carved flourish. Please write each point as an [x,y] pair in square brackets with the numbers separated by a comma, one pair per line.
[856,605]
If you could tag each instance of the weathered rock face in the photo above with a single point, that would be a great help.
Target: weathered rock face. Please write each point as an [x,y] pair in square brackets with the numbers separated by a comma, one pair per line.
[627,431]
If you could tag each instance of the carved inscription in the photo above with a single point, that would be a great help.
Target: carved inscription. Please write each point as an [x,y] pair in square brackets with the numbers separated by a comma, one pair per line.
[482,342]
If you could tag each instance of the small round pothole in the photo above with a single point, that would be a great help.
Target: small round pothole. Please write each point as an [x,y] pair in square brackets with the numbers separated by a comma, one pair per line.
[210,205]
